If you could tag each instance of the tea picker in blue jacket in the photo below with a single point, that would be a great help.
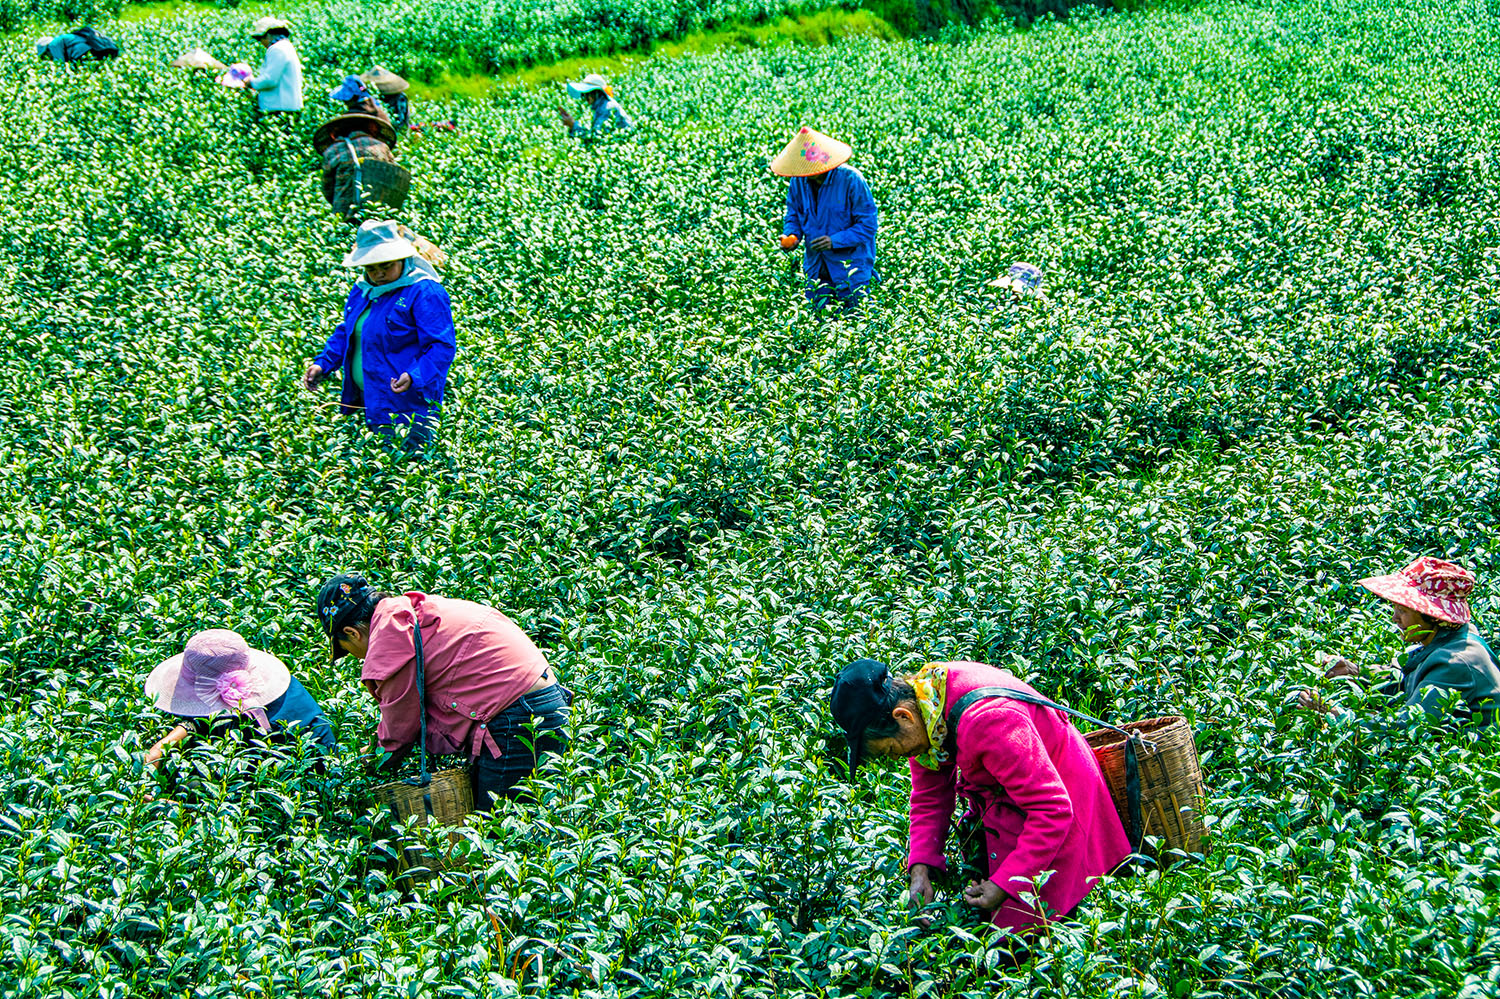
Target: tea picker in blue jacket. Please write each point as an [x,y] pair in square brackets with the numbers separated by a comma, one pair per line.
[829,211]
[396,340]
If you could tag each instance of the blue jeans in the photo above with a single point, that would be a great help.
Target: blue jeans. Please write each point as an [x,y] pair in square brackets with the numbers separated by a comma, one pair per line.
[525,732]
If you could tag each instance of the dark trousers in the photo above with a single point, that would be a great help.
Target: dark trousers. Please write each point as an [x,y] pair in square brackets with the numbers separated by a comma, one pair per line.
[525,732]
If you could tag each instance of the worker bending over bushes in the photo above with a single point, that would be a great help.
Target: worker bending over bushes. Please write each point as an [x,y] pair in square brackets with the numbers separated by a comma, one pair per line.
[218,684]
[829,210]
[1028,776]
[396,340]
[490,693]
[1430,607]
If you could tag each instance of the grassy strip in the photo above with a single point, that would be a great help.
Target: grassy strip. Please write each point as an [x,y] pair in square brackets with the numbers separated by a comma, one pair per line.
[822,28]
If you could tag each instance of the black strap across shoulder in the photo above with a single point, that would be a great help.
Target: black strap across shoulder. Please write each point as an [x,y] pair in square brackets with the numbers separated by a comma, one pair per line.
[423,778]
[1135,829]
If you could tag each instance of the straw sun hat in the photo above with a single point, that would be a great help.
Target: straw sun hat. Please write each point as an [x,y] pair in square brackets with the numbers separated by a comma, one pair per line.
[198,59]
[1429,586]
[218,672]
[809,154]
[379,243]
[383,81]
[347,124]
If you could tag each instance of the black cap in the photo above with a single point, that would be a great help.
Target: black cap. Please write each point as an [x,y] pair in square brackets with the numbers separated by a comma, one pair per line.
[338,601]
[861,695]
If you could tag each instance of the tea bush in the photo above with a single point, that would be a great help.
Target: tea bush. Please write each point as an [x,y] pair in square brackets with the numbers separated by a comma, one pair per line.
[1261,372]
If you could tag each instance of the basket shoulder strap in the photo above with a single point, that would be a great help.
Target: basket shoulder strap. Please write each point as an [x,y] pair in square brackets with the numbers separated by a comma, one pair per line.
[416,639]
[982,693]
[1134,826]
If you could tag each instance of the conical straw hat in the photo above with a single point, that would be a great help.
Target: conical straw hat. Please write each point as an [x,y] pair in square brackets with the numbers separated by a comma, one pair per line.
[198,59]
[809,154]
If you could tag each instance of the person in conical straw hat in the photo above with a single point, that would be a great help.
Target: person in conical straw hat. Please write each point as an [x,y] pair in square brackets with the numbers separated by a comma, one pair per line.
[391,90]
[1445,657]
[609,116]
[218,682]
[831,215]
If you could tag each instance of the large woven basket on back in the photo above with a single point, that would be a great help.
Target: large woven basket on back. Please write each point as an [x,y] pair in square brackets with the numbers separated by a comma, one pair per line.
[451,798]
[1172,792]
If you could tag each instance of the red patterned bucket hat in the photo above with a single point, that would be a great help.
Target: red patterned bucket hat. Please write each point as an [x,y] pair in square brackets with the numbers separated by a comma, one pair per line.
[1430,586]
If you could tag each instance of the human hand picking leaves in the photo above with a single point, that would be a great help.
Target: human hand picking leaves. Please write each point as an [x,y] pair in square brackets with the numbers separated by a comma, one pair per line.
[311,377]
[984,895]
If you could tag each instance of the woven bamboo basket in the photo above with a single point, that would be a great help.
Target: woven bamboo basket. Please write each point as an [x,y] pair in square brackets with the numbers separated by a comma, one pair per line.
[452,798]
[1172,791]
[387,183]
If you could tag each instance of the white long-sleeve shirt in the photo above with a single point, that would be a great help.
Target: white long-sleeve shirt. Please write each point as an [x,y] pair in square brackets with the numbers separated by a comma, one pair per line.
[279,81]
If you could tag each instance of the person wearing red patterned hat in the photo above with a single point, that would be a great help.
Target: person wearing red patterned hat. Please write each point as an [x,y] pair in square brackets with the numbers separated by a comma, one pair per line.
[1430,605]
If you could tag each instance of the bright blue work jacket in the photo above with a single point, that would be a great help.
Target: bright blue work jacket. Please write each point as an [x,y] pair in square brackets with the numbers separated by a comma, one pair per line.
[844,211]
[408,330]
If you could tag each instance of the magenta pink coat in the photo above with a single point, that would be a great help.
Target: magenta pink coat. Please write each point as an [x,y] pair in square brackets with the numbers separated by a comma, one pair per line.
[1040,792]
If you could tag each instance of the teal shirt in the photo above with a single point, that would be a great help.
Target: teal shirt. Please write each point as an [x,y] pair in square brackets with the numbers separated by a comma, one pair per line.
[357,350]
[1458,659]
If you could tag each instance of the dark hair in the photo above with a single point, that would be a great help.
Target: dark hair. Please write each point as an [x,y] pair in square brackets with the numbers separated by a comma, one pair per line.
[897,692]
[361,615]
[278,33]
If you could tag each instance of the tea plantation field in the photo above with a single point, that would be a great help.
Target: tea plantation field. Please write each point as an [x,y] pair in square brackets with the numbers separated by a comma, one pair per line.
[1263,369]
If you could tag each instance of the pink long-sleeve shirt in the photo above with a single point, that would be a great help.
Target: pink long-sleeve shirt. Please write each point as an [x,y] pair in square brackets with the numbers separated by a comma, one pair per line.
[1040,792]
[477,664]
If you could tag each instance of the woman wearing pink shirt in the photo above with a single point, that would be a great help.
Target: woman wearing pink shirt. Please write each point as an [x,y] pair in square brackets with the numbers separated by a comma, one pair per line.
[1026,773]
[490,692]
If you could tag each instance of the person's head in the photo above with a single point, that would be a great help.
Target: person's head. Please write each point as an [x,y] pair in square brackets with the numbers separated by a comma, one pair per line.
[345,604]
[381,251]
[355,95]
[379,274]
[1426,597]
[878,713]
[217,671]
[592,88]
[270,30]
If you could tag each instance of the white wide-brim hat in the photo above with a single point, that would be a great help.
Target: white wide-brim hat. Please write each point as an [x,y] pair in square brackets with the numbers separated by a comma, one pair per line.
[193,683]
[588,85]
[379,243]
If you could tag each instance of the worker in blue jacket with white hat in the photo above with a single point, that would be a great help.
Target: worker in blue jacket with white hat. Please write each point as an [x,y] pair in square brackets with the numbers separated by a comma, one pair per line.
[831,214]
[609,116]
[396,340]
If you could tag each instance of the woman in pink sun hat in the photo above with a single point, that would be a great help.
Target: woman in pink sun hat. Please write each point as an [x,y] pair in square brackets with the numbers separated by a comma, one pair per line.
[219,682]
[1430,606]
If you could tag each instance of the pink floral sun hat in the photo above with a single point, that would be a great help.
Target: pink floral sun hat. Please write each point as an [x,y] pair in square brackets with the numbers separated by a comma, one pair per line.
[218,671]
[1430,586]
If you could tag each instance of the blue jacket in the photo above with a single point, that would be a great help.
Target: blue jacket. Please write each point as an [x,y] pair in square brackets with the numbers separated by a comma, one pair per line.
[846,212]
[408,330]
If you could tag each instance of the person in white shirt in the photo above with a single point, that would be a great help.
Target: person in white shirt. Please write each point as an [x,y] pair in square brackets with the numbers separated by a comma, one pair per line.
[278,85]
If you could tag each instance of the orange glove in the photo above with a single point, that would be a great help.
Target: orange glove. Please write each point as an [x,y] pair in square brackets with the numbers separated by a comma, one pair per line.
[788,242]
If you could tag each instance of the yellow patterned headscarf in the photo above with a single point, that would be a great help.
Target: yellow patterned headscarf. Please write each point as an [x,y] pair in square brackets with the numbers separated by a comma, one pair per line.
[931,685]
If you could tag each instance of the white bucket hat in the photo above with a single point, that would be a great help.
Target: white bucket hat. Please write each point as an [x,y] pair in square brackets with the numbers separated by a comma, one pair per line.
[588,85]
[217,671]
[379,243]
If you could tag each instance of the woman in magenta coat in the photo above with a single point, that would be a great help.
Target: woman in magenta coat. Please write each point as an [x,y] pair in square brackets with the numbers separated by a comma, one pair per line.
[1025,771]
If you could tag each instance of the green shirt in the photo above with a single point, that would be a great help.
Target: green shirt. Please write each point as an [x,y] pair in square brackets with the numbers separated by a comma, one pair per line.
[357,351]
